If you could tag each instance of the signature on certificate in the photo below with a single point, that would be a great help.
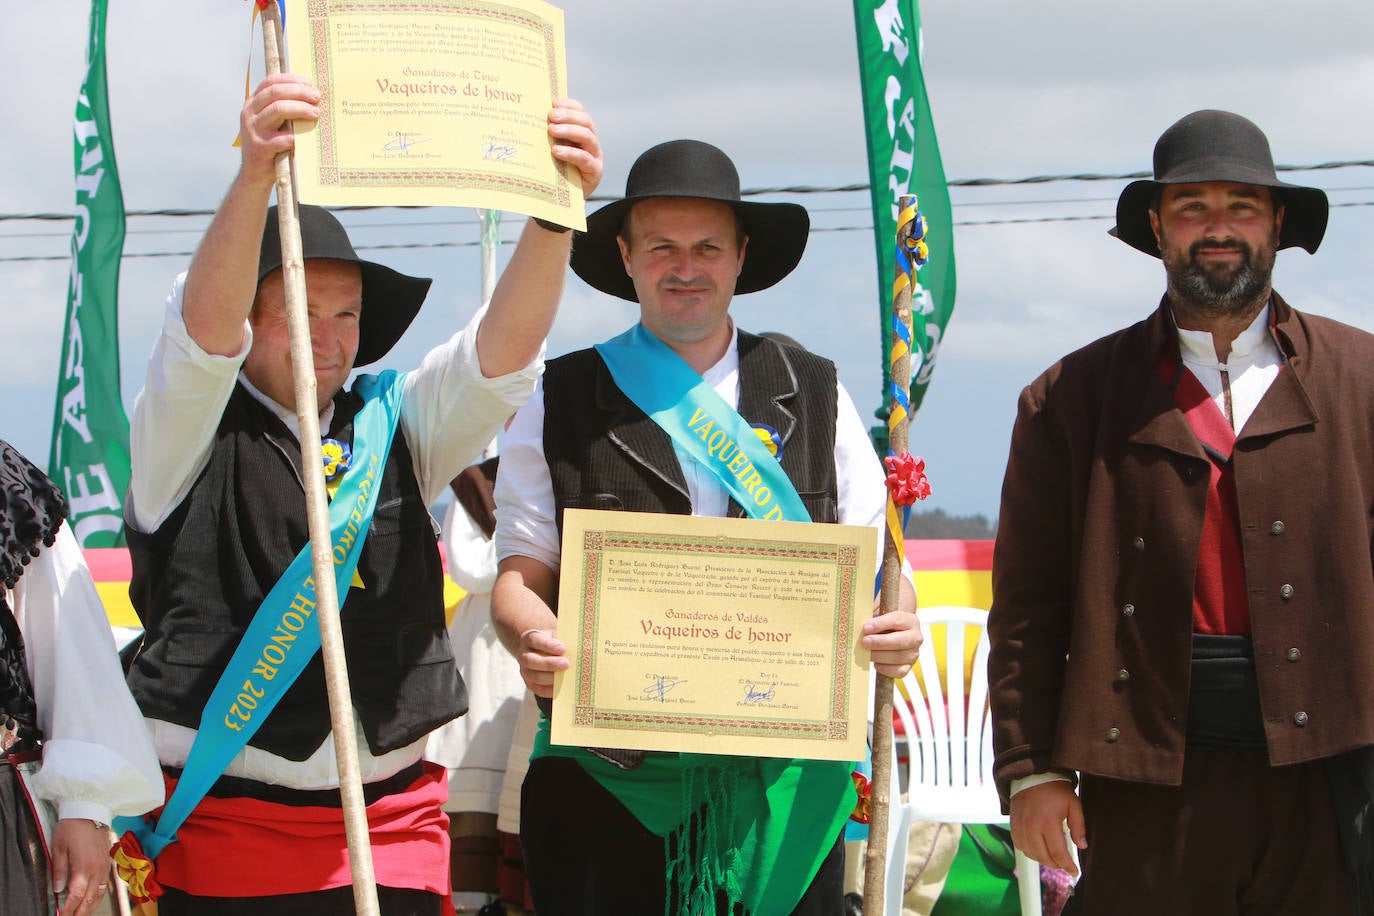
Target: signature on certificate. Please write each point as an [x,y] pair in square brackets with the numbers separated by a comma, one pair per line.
[757,695]
[661,685]
[401,141]
[497,152]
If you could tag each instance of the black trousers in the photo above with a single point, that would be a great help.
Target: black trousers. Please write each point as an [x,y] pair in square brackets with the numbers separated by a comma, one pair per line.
[586,855]
[338,901]
[1238,838]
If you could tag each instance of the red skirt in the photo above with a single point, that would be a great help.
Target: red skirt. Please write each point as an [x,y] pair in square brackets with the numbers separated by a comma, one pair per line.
[246,847]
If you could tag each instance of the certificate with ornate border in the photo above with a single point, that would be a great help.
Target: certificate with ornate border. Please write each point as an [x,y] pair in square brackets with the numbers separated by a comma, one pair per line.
[433,102]
[721,636]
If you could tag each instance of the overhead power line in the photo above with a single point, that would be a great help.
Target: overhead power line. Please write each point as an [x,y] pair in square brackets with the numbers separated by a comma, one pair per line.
[1110,216]
[1132,176]
[1034,179]
[187,254]
[508,242]
[781,189]
[857,208]
[750,192]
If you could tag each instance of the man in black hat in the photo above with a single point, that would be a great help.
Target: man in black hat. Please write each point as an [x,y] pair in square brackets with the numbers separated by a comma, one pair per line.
[1182,578]
[618,831]
[215,516]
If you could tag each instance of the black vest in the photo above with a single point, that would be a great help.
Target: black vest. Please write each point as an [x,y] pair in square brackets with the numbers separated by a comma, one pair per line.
[603,452]
[198,580]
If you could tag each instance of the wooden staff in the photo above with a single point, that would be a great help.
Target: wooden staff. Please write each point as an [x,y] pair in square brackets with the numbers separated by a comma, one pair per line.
[317,508]
[119,891]
[875,859]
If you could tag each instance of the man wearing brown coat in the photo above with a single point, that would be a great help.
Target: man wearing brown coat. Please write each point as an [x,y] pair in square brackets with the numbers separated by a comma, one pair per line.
[1183,602]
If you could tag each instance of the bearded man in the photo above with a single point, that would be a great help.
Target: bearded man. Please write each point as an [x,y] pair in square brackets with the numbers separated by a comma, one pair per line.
[1182,580]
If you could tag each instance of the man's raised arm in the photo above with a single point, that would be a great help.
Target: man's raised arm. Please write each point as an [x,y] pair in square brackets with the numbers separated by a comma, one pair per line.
[223,276]
[526,297]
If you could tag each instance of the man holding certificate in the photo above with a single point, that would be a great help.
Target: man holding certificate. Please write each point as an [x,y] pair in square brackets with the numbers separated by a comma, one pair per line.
[217,526]
[611,830]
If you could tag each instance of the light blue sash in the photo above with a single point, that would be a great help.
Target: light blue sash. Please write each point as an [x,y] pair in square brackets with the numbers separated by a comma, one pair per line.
[702,423]
[786,813]
[283,636]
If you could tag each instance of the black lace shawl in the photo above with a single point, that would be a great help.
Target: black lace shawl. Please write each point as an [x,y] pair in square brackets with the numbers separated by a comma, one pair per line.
[32,509]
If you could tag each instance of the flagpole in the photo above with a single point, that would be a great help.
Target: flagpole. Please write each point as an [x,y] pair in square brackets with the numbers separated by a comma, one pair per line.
[490,222]
[875,871]
[904,157]
[317,507]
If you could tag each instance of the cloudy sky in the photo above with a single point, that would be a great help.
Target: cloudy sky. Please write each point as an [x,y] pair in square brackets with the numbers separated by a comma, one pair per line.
[1018,89]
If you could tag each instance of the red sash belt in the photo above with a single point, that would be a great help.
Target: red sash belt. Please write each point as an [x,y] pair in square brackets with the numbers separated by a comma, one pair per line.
[247,847]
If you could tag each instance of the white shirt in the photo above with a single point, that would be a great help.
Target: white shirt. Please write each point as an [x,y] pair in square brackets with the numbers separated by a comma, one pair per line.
[98,760]
[1249,370]
[449,412]
[525,523]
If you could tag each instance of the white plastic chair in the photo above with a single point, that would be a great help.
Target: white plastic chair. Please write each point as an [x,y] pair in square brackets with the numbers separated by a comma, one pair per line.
[949,770]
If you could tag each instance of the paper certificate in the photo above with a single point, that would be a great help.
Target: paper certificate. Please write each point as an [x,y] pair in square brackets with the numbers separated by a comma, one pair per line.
[435,102]
[723,636]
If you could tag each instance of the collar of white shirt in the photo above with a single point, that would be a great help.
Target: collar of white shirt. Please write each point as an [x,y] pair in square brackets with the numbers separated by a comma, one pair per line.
[288,417]
[1249,347]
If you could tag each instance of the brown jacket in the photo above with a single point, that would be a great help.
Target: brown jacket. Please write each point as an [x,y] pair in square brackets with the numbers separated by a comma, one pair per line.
[1097,546]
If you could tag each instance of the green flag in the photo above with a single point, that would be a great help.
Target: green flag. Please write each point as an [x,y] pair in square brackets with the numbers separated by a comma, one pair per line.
[903,158]
[90,437]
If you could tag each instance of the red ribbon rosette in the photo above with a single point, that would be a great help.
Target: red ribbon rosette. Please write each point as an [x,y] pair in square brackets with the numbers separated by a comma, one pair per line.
[862,810]
[135,869]
[906,478]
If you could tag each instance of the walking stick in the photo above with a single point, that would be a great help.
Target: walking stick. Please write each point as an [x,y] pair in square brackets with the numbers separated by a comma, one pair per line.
[119,892]
[317,507]
[875,859]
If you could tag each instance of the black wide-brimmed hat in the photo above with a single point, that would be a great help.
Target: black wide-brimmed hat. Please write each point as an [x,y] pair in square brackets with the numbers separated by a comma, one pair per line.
[391,300]
[1219,146]
[690,168]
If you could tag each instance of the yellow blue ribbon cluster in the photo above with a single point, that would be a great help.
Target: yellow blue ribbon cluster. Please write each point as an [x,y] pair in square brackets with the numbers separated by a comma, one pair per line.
[912,253]
[337,456]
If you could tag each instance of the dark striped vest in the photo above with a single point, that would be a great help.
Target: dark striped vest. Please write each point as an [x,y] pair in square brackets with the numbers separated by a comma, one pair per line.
[603,452]
[198,580]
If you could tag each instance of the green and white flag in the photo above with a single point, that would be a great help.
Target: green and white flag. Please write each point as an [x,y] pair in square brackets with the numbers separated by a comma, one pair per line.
[903,158]
[90,439]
